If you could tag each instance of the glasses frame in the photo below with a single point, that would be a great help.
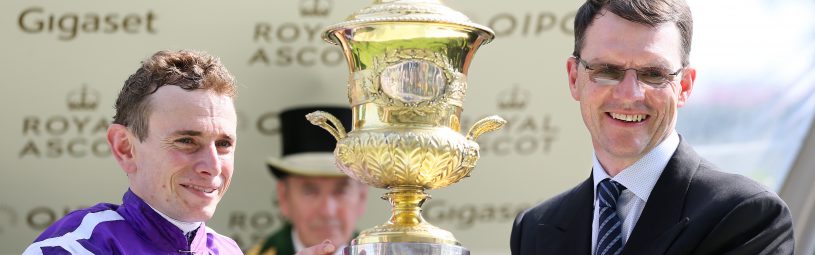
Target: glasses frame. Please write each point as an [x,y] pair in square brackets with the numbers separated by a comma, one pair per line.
[637,72]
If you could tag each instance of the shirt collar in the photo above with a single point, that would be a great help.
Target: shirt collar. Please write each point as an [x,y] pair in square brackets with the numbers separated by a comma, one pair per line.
[156,228]
[185,227]
[641,176]
[298,245]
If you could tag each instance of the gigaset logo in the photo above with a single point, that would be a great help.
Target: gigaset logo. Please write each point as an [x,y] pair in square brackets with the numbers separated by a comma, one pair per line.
[467,215]
[67,26]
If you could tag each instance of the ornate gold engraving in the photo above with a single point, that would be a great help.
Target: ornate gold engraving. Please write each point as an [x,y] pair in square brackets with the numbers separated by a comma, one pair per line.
[408,62]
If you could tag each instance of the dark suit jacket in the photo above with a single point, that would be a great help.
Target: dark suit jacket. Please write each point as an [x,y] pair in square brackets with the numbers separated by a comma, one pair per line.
[693,209]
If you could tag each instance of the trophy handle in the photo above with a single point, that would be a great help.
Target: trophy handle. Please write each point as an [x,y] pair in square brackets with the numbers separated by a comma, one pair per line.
[321,118]
[491,123]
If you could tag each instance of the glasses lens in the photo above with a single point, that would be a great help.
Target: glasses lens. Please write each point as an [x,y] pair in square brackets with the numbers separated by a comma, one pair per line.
[612,75]
[607,75]
[653,76]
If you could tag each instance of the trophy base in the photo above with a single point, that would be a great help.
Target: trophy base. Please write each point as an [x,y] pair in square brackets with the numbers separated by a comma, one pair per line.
[405,249]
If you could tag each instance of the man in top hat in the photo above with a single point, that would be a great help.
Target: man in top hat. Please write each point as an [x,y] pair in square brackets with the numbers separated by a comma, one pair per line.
[321,203]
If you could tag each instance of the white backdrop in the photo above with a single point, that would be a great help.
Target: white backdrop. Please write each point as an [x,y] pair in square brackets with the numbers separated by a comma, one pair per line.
[65,61]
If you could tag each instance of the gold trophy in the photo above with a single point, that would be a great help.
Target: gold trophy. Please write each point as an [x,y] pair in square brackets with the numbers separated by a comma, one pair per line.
[408,61]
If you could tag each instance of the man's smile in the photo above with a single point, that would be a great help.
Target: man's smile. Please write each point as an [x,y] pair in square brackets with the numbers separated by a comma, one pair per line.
[628,117]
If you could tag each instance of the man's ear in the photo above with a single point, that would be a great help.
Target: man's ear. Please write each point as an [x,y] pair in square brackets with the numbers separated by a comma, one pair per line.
[571,70]
[688,79]
[121,143]
[282,198]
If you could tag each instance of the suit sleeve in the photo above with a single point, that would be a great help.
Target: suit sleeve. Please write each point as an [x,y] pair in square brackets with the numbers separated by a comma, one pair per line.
[515,237]
[760,224]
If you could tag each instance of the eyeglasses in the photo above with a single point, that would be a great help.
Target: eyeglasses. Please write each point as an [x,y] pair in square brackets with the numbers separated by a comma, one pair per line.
[605,74]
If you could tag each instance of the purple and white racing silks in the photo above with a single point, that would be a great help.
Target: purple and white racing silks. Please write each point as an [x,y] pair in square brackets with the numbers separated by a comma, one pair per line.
[130,228]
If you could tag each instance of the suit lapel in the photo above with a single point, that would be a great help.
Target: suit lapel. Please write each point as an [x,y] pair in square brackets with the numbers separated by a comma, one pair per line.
[568,230]
[661,219]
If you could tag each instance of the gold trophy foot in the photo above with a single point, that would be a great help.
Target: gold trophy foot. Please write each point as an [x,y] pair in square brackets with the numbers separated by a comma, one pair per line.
[406,224]
[390,233]
[405,248]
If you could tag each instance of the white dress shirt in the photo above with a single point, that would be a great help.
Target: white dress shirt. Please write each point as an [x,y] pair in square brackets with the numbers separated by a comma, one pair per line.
[185,227]
[639,180]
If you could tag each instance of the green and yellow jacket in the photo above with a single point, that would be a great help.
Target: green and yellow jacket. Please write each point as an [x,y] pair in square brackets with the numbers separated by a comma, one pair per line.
[279,243]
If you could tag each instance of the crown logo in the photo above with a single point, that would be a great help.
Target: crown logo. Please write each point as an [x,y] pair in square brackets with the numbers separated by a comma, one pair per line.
[83,99]
[513,99]
[311,8]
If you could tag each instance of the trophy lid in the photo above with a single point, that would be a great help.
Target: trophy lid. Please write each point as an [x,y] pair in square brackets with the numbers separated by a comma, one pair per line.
[430,11]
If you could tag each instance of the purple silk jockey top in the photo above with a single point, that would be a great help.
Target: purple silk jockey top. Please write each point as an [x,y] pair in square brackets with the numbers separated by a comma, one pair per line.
[130,228]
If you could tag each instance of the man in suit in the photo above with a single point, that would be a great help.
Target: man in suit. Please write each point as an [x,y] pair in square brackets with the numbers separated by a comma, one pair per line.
[649,192]
[321,203]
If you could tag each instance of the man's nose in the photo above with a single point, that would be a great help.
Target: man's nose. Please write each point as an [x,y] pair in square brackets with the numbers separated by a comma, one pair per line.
[630,88]
[210,162]
[329,206]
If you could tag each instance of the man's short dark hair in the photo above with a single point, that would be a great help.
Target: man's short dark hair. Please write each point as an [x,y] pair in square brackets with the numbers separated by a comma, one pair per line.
[648,12]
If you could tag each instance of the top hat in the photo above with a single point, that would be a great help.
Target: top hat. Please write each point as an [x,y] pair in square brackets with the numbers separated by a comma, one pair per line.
[307,149]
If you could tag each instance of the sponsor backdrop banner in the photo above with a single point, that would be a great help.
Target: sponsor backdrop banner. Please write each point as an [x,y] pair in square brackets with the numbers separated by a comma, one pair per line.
[65,61]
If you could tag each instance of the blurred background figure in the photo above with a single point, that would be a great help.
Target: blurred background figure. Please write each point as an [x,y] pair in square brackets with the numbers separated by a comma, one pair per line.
[320,202]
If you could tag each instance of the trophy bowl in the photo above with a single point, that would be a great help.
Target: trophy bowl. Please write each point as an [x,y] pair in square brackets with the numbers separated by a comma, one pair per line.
[408,62]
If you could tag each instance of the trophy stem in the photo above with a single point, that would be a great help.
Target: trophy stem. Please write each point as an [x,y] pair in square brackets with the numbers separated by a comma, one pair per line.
[406,224]
[406,203]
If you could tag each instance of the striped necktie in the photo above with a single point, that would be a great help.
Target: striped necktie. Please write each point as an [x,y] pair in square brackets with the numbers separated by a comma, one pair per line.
[609,237]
